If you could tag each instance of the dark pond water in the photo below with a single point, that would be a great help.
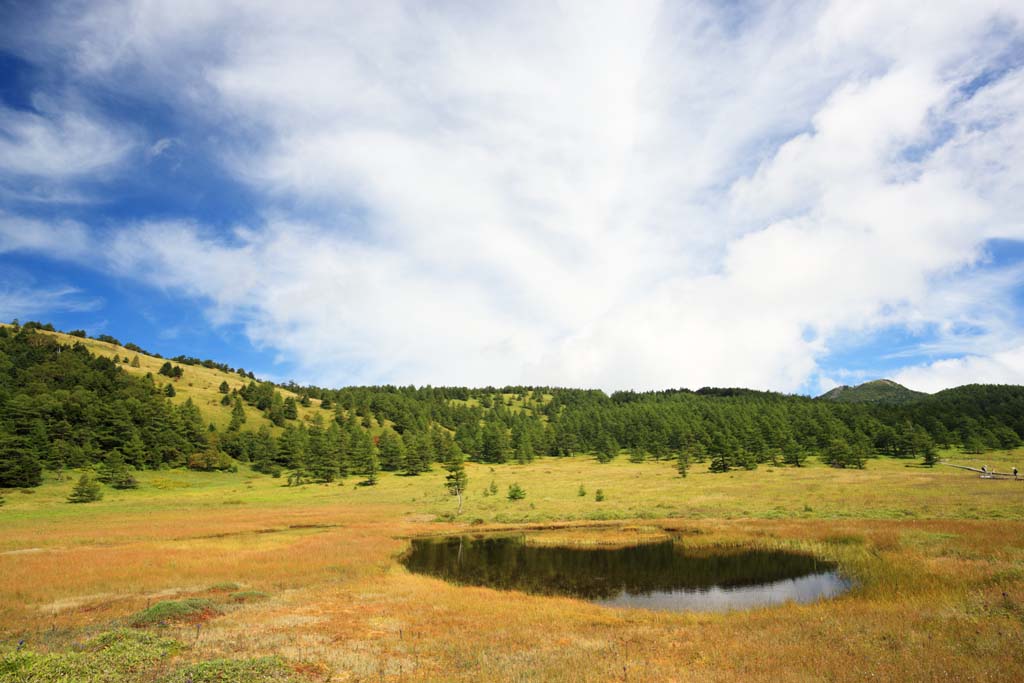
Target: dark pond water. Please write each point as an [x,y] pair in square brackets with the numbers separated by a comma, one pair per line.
[661,576]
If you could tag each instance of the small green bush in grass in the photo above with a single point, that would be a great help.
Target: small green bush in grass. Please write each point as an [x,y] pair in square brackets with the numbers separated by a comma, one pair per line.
[190,609]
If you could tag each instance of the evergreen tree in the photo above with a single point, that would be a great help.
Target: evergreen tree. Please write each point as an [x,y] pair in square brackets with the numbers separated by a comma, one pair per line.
[607,448]
[417,453]
[392,451]
[291,412]
[135,362]
[237,416]
[456,479]
[169,391]
[682,463]
[323,464]
[86,490]
[524,449]
[224,388]
[114,472]
[495,446]
[723,446]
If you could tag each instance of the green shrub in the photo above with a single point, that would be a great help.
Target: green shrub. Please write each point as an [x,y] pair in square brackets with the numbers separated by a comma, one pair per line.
[190,609]
[87,490]
[516,492]
[599,495]
[581,492]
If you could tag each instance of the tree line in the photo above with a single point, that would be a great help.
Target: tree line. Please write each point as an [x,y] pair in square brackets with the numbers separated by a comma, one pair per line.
[61,408]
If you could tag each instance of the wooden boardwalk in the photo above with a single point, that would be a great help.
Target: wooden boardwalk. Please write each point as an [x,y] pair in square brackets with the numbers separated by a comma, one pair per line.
[987,474]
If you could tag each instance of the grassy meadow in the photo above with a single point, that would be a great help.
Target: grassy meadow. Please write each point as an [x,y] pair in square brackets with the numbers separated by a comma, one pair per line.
[235,576]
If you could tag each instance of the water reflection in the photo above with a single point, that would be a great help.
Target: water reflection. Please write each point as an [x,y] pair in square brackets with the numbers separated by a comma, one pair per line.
[663,576]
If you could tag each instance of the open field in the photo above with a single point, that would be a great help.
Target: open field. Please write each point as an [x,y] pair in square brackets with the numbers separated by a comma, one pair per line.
[938,556]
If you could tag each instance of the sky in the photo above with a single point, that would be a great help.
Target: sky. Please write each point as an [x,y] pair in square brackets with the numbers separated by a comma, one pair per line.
[620,195]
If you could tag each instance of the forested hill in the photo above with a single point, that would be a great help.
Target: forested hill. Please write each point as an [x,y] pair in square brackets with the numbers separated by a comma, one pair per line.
[877,391]
[67,401]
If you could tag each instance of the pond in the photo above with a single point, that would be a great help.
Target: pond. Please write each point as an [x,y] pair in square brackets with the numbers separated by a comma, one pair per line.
[660,576]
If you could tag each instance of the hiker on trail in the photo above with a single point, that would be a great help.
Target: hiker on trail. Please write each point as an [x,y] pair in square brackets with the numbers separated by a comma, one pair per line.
[1014,472]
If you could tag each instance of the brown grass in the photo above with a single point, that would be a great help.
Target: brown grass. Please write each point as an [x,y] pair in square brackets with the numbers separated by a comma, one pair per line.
[937,599]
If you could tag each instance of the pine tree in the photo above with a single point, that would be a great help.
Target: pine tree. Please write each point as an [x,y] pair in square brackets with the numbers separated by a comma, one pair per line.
[135,362]
[224,388]
[237,416]
[114,472]
[682,463]
[607,448]
[524,449]
[169,391]
[291,412]
[417,453]
[456,479]
[86,490]
[323,465]
[392,451]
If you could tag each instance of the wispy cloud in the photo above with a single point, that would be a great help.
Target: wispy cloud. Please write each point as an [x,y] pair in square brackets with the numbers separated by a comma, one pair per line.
[613,194]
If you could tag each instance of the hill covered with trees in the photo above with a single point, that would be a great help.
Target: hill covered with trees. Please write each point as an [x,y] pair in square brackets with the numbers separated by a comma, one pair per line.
[876,391]
[68,401]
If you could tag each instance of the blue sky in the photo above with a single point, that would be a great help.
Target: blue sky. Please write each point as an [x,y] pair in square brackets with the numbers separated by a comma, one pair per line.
[620,195]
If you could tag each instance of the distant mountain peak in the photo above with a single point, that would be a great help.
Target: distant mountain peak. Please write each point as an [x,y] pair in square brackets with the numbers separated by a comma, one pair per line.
[876,391]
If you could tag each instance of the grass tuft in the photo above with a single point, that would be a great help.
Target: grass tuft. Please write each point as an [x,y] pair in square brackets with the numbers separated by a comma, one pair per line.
[189,610]
[248,596]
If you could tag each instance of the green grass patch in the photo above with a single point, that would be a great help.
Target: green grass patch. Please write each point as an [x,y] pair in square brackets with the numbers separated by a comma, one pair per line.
[224,587]
[248,596]
[190,610]
[120,655]
[235,671]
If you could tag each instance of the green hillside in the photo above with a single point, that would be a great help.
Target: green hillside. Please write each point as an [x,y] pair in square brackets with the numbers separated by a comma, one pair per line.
[199,383]
[879,391]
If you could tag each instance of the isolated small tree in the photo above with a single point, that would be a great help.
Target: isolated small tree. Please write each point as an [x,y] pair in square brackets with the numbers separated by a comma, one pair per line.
[456,479]
[135,362]
[86,490]
[224,387]
[516,492]
[599,495]
[169,391]
[582,491]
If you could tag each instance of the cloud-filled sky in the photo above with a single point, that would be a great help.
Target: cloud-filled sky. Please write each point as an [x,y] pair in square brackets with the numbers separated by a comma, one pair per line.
[605,194]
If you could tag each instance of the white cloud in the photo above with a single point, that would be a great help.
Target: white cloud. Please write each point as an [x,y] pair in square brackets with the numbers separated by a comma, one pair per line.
[18,301]
[58,142]
[1003,367]
[613,194]
[62,240]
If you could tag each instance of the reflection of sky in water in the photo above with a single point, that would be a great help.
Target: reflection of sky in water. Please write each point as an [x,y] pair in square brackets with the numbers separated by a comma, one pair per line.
[717,599]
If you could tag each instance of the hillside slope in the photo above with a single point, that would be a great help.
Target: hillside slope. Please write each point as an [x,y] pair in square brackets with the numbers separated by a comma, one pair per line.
[199,383]
[879,391]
